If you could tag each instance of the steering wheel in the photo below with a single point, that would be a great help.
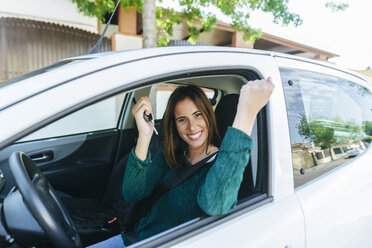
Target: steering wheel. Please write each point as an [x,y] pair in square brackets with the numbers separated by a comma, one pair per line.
[43,202]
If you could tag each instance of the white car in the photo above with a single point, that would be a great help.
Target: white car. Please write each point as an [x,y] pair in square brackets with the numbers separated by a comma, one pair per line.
[73,120]
[354,152]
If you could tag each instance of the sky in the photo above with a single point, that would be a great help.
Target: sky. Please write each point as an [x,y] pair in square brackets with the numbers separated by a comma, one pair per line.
[345,33]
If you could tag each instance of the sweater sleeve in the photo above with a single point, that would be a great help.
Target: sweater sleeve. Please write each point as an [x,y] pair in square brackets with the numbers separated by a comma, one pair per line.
[219,193]
[142,176]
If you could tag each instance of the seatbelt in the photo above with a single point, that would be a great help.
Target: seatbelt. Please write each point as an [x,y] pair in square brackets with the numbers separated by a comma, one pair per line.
[141,208]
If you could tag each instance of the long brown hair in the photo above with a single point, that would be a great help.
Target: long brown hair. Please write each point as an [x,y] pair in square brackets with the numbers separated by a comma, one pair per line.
[174,145]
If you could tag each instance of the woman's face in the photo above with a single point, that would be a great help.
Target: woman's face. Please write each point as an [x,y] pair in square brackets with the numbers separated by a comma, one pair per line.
[191,125]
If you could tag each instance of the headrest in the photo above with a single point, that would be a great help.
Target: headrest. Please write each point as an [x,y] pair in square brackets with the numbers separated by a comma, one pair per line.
[225,112]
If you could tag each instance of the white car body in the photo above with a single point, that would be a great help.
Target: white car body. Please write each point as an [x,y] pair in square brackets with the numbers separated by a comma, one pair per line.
[354,152]
[333,210]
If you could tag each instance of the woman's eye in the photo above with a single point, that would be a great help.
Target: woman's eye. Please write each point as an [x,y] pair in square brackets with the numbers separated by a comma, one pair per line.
[181,120]
[198,114]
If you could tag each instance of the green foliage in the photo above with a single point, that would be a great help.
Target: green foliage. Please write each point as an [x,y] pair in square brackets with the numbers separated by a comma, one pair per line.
[99,8]
[361,90]
[334,7]
[322,132]
[338,119]
[367,127]
[367,139]
[197,15]
[317,132]
[321,135]
[95,8]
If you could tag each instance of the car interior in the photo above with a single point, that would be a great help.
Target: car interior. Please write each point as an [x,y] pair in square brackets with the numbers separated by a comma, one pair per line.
[87,169]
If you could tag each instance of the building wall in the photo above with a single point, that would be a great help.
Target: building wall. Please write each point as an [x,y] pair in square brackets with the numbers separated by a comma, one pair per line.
[367,72]
[302,159]
[56,11]
[27,45]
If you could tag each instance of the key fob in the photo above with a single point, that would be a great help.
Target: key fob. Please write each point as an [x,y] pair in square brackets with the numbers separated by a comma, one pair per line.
[147,117]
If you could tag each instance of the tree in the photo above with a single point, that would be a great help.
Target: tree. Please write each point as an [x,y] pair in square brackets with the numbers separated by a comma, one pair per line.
[317,132]
[367,127]
[197,15]
[149,23]
[334,7]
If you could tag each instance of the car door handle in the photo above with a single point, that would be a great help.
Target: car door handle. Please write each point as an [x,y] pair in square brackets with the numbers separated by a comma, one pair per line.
[41,156]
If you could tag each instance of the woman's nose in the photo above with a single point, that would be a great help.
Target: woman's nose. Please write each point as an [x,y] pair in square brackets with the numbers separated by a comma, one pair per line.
[192,125]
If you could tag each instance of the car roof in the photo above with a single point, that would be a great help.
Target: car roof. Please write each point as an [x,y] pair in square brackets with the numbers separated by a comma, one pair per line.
[65,70]
[68,69]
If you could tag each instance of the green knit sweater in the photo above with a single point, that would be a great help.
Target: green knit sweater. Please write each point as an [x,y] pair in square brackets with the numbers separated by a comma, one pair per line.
[212,190]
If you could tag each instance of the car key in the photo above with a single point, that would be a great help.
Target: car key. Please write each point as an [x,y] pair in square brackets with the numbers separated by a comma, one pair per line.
[148,118]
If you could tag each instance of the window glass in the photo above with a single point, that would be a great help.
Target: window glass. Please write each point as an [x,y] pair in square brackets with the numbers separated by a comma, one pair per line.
[329,119]
[99,116]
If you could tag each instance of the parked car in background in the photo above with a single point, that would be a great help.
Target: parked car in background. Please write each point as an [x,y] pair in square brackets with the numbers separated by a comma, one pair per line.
[354,152]
[68,129]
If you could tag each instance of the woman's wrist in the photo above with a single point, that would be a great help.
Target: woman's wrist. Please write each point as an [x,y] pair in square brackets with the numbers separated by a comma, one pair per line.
[142,146]
[145,137]
[244,122]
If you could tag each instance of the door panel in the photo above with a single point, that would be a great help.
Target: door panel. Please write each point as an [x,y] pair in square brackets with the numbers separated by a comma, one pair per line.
[84,173]
[277,224]
[338,206]
[80,166]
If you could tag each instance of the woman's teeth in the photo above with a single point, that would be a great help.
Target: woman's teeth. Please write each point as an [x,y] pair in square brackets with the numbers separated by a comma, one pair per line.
[195,136]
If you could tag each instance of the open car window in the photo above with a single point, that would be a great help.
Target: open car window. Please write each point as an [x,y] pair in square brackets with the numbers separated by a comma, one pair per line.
[255,179]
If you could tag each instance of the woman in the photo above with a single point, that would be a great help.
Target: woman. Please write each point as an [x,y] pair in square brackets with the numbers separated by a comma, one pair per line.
[190,135]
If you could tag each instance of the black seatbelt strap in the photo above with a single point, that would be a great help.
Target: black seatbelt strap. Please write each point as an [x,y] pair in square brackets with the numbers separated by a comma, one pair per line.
[142,207]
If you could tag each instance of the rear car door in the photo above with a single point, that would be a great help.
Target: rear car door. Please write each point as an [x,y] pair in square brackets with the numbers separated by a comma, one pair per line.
[329,113]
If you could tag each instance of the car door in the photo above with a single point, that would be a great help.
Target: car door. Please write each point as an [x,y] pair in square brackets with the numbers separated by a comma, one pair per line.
[76,153]
[270,219]
[329,113]
[272,223]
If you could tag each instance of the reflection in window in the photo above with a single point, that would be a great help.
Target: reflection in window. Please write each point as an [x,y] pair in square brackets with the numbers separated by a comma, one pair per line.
[329,120]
